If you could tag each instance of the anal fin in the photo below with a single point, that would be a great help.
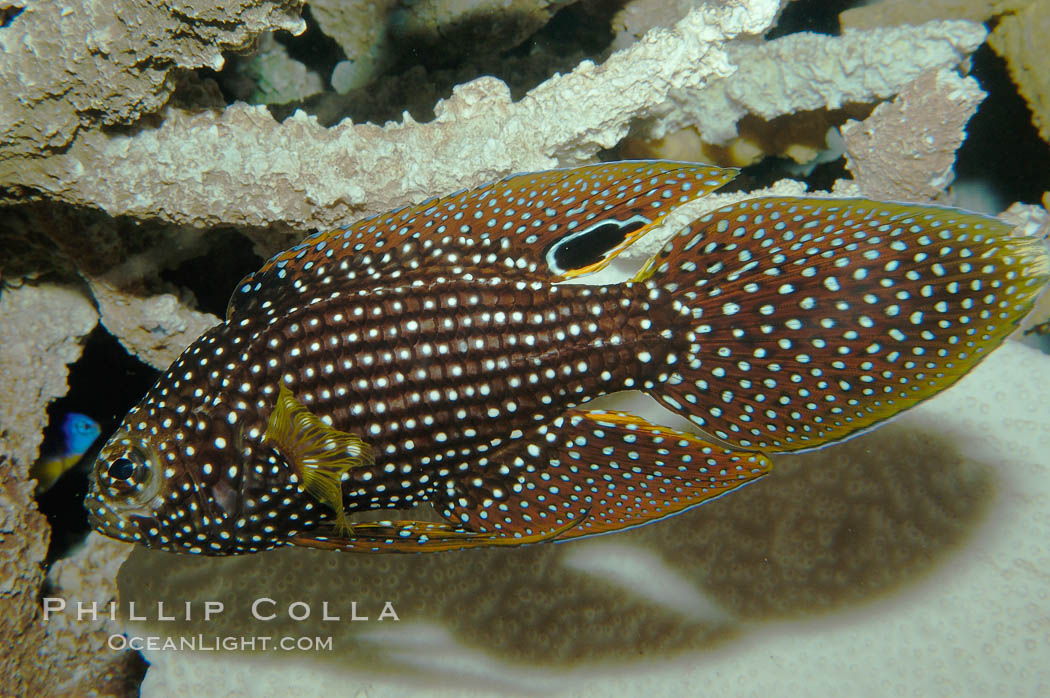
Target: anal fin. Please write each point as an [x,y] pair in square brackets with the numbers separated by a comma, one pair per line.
[603,471]
[412,537]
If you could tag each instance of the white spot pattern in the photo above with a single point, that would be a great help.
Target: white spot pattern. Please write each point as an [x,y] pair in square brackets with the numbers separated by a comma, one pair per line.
[438,334]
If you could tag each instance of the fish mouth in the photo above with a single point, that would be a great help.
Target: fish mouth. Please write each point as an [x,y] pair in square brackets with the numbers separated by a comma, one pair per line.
[131,529]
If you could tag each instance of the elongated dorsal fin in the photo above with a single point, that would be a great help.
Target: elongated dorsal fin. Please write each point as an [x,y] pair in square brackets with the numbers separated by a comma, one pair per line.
[560,223]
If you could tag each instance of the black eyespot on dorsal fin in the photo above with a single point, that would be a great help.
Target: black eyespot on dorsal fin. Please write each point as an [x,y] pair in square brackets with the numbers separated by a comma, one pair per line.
[591,245]
[586,215]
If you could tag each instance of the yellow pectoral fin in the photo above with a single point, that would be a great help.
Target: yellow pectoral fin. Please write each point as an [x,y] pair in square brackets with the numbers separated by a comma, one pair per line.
[318,453]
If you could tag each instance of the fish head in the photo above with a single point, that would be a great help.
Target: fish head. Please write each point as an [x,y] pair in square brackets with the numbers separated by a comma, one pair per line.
[173,475]
[79,431]
[127,492]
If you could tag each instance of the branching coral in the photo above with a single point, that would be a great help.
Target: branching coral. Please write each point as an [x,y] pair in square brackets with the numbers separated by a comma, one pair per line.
[107,63]
[242,167]
[808,71]
[1019,35]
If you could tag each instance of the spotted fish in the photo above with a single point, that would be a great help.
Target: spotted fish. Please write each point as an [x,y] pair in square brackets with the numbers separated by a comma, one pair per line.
[442,355]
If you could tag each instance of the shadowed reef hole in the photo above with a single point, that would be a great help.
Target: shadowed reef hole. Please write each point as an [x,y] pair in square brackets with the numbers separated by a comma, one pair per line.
[104,384]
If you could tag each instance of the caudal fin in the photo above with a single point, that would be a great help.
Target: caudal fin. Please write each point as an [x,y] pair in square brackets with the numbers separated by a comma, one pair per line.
[804,321]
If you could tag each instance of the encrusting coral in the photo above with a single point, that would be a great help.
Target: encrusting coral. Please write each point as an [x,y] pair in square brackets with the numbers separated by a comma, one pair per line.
[828,530]
[109,63]
[40,329]
[1021,27]
[906,148]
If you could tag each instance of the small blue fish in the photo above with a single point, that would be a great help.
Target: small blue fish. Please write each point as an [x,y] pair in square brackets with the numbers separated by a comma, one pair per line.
[78,433]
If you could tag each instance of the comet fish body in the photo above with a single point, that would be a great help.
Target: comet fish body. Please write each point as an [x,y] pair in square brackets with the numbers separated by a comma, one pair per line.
[440,354]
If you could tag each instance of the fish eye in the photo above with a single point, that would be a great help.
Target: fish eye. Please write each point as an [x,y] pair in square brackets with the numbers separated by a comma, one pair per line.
[130,471]
[121,469]
[127,474]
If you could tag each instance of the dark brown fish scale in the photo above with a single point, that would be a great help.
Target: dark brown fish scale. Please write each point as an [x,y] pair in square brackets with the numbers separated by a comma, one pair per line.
[447,370]
[197,437]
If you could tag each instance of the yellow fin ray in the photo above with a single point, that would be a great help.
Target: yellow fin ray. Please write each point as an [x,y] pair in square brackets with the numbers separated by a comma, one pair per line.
[318,453]
[421,537]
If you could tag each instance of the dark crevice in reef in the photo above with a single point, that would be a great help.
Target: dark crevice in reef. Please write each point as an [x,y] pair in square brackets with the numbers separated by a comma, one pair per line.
[104,384]
[7,15]
[424,68]
[773,169]
[577,27]
[576,31]
[1003,153]
[213,276]
[313,47]
[818,16]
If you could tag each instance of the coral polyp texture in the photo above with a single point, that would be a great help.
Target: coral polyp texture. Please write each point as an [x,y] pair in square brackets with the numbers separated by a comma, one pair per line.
[1020,28]
[124,164]
[68,69]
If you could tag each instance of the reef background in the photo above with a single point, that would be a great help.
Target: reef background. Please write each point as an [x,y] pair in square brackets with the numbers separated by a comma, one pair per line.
[151,153]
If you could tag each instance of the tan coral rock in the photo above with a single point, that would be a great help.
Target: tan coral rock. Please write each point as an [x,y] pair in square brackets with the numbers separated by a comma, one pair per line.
[636,17]
[40,332]
[89,577]
[242,167]
[1019,37]
[1031,220]
[812,71]
[111,62]
[360,28]
[906,149]
[24,535]
[156,329]
[276,78]
[888,13]
[356,26]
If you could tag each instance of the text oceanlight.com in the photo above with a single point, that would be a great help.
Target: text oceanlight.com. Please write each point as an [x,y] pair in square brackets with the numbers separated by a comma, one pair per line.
[215,643]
